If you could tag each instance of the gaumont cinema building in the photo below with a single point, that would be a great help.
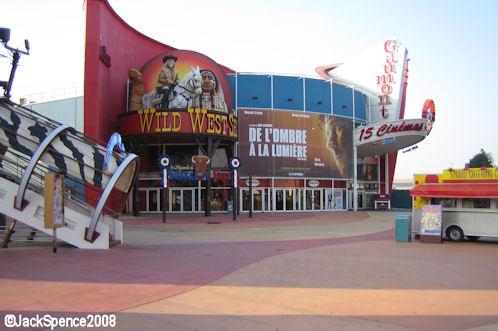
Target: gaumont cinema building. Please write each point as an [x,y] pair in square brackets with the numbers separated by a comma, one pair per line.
[304,143]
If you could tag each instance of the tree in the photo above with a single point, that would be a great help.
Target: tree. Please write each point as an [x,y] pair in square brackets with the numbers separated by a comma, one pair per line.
[481,159]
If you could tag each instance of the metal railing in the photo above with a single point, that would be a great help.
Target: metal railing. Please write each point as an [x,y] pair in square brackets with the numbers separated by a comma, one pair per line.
[33,96]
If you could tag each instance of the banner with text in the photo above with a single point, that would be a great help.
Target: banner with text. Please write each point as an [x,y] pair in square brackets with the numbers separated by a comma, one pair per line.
[294,144]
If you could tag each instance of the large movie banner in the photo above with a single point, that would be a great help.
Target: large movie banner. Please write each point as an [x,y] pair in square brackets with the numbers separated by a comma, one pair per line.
[294,144]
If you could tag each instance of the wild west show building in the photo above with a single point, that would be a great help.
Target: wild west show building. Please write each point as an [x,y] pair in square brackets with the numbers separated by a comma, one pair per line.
[304,143]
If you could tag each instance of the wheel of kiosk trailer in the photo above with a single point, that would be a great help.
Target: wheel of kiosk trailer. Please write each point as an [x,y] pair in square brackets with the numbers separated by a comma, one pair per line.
[454,233]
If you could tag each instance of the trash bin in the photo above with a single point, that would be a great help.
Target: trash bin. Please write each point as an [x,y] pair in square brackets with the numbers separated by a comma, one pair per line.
[230,207]
[403,228]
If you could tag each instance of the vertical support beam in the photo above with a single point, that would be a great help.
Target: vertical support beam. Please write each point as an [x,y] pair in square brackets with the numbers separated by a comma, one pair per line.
[355,179]
[236,92]
[331,96]
[136,192]
[250,195]
[355,161]
[234,187]
[386,181]
[271,91]
[304,93]
[207,211]
[136,198]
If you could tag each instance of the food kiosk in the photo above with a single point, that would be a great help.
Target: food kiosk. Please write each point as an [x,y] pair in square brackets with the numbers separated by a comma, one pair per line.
[469,200]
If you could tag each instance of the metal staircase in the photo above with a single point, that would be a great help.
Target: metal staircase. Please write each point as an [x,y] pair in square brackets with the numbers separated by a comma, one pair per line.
[31,146]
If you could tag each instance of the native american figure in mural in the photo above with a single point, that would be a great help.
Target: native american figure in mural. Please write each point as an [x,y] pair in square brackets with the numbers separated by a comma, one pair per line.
[182,95]
[212,97]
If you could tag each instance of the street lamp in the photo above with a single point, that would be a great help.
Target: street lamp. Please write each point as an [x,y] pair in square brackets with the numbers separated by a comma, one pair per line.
[16,55]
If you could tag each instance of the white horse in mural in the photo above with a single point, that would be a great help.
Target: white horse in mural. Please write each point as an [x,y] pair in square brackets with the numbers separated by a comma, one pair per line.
[183,94]
[187,90]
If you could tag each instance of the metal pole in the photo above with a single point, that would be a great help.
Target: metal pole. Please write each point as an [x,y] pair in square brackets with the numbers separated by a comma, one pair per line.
[386,174]
[250,196]
[54,241]
[234,203]
[355,179]
[237,199]
[355,161]
[165,190]
[207,211]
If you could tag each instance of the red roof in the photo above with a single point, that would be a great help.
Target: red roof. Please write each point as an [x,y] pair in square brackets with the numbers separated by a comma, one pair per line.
[445,190]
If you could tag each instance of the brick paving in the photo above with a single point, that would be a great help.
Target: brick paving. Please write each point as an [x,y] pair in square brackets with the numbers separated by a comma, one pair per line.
[275,271]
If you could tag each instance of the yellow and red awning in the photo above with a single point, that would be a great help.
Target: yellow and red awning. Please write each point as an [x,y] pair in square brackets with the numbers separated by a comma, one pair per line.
[456,190]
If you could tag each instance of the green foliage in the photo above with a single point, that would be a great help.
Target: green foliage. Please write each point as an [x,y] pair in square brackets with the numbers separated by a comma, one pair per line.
[481,159]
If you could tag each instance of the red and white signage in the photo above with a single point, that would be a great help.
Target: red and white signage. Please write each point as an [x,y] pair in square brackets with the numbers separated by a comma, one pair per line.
[382,138]
[379,71]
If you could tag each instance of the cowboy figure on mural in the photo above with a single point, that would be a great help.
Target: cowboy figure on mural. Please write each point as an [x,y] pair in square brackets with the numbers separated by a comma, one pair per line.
[167,79]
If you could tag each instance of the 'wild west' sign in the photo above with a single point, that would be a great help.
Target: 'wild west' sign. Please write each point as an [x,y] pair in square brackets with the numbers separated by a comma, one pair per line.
[190,121]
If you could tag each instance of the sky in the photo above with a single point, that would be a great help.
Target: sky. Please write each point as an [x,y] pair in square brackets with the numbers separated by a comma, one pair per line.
[452,46]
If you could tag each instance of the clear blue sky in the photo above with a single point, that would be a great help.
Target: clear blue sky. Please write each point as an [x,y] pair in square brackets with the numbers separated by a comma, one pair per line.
[453,47]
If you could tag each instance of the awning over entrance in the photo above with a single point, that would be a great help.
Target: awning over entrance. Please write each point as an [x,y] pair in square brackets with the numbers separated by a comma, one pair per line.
[466,190]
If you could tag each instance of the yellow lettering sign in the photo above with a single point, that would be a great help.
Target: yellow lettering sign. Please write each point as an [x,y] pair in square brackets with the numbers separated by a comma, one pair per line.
[146,118]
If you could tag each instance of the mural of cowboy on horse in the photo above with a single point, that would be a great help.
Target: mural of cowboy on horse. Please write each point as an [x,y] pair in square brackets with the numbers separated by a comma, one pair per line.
[167,79]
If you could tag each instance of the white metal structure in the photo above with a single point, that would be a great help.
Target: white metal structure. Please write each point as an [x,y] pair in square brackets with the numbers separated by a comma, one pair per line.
[31,146]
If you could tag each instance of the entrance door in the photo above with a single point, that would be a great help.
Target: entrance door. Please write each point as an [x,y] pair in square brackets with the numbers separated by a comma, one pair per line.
[360,200]
[279,200]
[153,200]
[259,199]
[285,199]
[300,199]
[313,198]
[289,199]
[183,200]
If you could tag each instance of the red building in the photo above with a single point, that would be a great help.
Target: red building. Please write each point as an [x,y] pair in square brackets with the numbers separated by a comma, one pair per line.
[307,143]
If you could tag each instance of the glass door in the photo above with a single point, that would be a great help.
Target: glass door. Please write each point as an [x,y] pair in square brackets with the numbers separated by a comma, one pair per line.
[176,199]
[285,199]
[187,199]
[183,200]
[317,199]
[289,199]
[259,199]
[313,199]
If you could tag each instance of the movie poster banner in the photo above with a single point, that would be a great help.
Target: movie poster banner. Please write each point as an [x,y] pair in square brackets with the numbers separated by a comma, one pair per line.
[431,223]
[294,144]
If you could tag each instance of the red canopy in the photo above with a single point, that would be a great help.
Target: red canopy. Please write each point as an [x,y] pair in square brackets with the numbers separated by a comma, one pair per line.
[464,190]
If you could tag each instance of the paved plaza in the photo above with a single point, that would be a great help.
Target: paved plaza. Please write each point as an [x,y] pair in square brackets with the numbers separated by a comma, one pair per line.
[274,271]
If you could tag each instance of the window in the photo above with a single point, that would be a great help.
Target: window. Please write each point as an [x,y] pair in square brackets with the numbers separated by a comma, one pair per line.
[476,203]
[445,202]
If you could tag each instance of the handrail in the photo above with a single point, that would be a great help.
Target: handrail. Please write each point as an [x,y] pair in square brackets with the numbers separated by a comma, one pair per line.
[34,160]
[105,195]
